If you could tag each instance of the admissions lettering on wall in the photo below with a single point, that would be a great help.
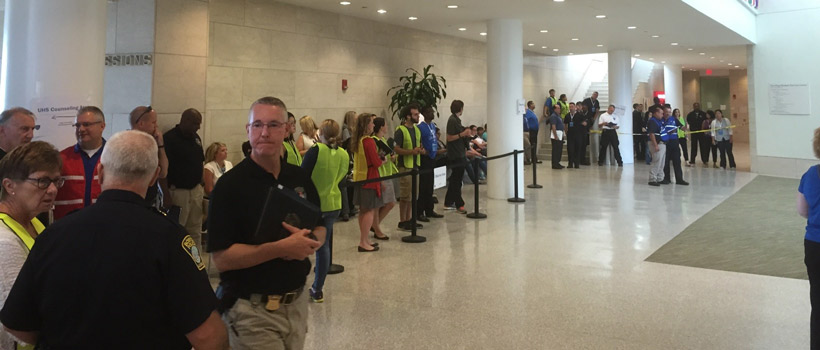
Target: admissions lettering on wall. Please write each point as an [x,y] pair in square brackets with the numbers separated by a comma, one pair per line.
[129,59]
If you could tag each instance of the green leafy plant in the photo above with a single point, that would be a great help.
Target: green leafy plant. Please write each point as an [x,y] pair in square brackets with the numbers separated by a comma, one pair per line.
[425,88]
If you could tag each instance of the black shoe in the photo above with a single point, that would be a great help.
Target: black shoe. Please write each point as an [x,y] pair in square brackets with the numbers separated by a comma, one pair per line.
[435,200]
[362,250]
[557,167]
[653,183]
[345,218]
[586,163]
[538,162]
[665,182]
[682,183]
[621,165]
[382,238]
[577,167]
[422,218]
[434,215]
[600,164]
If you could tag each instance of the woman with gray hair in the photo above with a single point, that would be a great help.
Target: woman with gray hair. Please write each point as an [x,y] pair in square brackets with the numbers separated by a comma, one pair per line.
[30,178]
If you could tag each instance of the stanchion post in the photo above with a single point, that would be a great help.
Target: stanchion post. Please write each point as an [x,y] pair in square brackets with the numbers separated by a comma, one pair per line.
[334,268]
[476,214]
[413,238]
[534,179]
[515,199]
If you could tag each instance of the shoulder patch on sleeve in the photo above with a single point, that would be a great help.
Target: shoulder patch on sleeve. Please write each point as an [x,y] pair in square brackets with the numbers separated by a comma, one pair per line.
[189,246]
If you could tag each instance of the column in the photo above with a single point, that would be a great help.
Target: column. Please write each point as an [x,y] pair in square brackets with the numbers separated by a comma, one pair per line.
[620,95]
[53,61]
[505,71]
[673,85]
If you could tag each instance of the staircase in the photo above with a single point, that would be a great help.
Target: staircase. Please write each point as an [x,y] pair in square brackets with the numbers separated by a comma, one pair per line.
[545,144]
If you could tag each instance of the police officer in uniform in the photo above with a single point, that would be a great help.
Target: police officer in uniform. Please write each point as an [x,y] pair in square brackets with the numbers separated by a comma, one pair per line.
[670,127]
[117,274]
[264,301]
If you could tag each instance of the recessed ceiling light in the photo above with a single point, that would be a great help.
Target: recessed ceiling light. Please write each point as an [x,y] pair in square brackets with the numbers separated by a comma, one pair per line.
[556,50]
[452,6]
[462,29]
[482,34]
[674,44]
[631,27]
[382,11]
[730,64]
[574,39]
[737,66]
[543,47]
[663,61]
[600,16]
[530,44]
[544,31]
[656,36]
[711,58]
[637,55]
[558,0]
[600,45]
[571,53]
[689,49]
[412,18]
[344,3]
[651,59]
[702,54]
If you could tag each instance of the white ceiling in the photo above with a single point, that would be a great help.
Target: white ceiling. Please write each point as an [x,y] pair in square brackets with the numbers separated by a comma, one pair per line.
[672,20]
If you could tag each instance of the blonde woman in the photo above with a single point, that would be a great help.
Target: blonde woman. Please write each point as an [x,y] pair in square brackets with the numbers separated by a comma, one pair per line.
[326,163]
[308,137]
[216,164]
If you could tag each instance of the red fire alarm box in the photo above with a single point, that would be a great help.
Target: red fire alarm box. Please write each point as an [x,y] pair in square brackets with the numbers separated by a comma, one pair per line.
[344,84]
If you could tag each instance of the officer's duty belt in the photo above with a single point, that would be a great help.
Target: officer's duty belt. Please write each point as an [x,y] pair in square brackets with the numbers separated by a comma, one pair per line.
[285,299]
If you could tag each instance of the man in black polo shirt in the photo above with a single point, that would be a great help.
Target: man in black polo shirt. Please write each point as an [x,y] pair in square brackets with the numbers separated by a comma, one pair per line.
[117,274]
[456,157]
[183,147]
[264,301]
[695,120]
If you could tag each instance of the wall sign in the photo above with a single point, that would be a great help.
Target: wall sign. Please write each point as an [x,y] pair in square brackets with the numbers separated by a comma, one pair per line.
[789,99]
[129,59]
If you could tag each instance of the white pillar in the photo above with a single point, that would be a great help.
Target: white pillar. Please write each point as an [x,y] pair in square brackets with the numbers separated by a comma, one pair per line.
[53,61]
[620,95]
[505,72]
[673,85]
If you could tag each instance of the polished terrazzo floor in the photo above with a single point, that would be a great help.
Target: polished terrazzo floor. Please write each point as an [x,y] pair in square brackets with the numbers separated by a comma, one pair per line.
[565,270]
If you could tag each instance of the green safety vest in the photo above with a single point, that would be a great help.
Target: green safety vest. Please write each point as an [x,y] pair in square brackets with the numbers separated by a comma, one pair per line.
[681,133]
[293,156]
[388,167]
[21,233]
[331,167]
[407,144]
[564,108]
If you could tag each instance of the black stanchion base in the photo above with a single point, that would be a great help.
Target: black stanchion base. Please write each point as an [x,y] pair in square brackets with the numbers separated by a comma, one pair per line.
[535,186]
[477,216]
[516,200]
[334,269]
[414,239]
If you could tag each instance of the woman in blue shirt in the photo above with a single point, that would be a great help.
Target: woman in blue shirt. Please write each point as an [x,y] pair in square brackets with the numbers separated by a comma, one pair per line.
[808,205]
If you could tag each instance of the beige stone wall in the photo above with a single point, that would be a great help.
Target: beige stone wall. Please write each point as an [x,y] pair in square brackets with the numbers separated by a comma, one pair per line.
[739,103]
[301,55]
[180,61]
[691,90]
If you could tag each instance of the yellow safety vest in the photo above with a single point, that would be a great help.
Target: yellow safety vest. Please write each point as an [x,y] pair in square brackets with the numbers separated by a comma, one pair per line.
[28,241]
[564,108]
[330,169]
[388,167]
[407,144]
[360,162]
[293,156]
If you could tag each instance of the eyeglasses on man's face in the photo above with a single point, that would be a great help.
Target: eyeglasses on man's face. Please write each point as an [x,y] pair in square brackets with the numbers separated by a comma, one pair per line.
[43,182]
[85,124]
[257,125]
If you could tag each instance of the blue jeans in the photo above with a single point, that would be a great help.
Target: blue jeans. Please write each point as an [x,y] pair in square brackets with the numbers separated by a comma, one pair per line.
[323,254]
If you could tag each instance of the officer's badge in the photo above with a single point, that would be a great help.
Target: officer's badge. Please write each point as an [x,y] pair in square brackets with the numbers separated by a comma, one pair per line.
[190,247]
[301,192]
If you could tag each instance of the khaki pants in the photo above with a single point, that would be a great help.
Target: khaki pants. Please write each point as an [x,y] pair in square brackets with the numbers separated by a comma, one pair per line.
[190,212]
[406,185]
[658,160]
[252,327]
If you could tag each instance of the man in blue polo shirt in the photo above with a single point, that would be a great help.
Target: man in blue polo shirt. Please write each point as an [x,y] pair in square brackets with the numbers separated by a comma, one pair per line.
[428,163]
[532,126]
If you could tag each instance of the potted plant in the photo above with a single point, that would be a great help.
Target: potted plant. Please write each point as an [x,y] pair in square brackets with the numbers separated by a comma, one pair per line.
[425,88]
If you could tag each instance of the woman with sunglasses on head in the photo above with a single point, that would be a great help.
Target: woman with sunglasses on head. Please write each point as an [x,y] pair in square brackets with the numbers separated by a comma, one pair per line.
[30,176]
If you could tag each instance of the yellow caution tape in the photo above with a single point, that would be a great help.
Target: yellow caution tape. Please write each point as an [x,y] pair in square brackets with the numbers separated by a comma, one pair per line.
[686,132]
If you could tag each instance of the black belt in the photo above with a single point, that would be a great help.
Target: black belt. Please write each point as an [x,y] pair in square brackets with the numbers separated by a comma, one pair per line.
[285,299]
